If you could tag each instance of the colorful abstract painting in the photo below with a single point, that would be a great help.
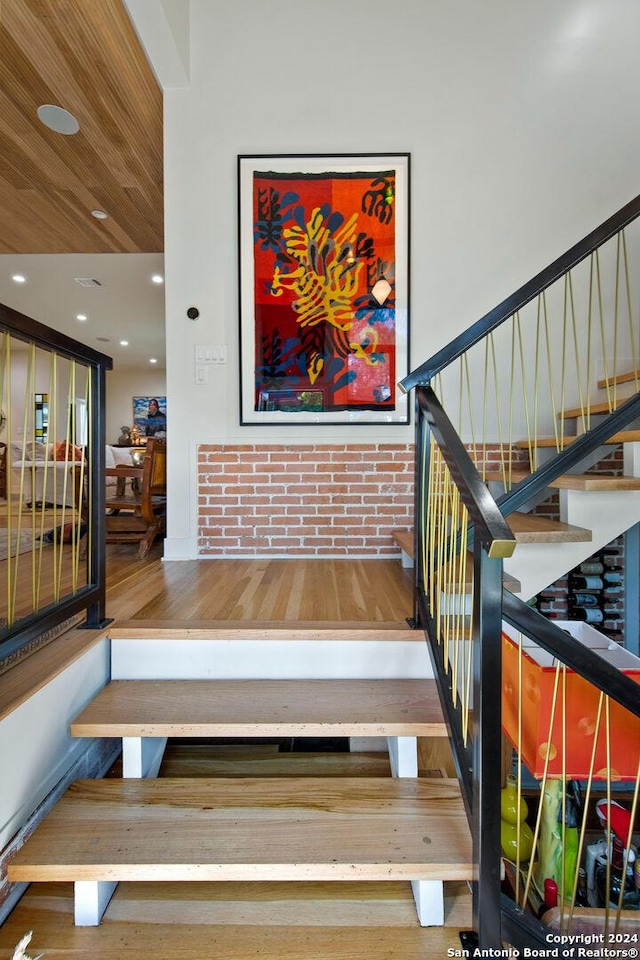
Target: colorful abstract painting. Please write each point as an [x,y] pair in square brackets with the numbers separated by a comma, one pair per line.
[324,289]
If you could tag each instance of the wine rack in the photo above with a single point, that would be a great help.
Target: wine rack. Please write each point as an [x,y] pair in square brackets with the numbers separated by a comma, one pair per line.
[595,592]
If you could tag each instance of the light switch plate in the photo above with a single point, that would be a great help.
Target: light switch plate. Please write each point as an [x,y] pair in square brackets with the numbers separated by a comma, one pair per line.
[211,353]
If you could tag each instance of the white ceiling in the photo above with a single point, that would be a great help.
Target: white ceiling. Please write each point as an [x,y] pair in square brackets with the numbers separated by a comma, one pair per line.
[128,306]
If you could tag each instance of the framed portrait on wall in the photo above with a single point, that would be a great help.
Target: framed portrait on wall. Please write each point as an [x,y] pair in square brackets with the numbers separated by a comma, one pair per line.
[324,288]
[150,416]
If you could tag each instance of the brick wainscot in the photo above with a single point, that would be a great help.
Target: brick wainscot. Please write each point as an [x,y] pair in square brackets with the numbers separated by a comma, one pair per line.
[307,500]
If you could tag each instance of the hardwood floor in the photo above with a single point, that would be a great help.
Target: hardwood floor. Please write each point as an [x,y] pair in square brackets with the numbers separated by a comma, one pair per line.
[271,590]
[230,921]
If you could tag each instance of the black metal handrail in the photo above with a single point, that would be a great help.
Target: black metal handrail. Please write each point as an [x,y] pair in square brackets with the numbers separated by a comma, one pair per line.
[90,598]
[479,330]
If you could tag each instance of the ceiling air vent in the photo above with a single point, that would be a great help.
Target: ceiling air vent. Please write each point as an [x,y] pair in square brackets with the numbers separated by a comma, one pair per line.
[88,281]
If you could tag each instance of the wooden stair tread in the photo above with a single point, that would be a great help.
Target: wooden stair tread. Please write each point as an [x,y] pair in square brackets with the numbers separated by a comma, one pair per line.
[595,481]
[593,408]
[624,436]
[573,481]
[629,376]
[266,708]
[407,535]
[269,630]
[533,528]
[404,539]
[266,829]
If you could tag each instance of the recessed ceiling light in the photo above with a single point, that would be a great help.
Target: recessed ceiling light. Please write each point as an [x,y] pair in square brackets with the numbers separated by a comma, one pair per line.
[18,278]
[153,360]
[81,316]
[58,119]
[99,214]
[124,343]
[156,278]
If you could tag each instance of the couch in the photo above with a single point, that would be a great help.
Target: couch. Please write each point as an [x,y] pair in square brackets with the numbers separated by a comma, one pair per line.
[44,477]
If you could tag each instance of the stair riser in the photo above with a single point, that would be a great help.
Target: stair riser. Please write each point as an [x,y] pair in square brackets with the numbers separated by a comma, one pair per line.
[607,514]
[184,659]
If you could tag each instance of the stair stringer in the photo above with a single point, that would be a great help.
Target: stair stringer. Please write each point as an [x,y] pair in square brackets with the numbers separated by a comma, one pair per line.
[608,514]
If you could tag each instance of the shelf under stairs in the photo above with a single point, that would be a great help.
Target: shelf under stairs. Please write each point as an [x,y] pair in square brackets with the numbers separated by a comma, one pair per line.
[255,829]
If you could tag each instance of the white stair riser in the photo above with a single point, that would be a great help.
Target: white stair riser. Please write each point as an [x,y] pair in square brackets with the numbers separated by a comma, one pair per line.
[171,659]
[608,514]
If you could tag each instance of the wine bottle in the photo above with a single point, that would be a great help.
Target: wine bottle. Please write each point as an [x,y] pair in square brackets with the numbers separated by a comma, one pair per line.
[587,599]
[595,567]
[603,599]
[589,614]
[612,576]
[592,614]
[585,583]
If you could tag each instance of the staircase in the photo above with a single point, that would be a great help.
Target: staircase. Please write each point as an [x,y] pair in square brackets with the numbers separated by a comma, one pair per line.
[249,829]
[527,367]
[603,506]
[595,508]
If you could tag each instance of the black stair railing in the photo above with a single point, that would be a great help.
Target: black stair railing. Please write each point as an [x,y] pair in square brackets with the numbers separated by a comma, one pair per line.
[55,455]
[463,607]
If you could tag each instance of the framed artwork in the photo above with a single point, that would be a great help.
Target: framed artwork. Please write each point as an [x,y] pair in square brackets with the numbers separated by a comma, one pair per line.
[324,288]
[150,416]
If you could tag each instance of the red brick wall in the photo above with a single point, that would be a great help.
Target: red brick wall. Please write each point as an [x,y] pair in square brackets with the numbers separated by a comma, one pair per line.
[308,500]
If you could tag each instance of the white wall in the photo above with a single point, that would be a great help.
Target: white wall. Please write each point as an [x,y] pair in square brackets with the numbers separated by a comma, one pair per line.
[35,744]
[519,118]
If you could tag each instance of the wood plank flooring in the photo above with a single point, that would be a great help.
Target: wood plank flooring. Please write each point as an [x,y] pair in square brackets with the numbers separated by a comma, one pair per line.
[274,590]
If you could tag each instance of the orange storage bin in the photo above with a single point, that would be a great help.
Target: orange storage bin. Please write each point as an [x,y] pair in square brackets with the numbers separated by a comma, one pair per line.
[580,711]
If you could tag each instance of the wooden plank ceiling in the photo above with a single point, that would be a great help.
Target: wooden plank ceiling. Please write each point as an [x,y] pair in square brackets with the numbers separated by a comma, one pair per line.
[82,55]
